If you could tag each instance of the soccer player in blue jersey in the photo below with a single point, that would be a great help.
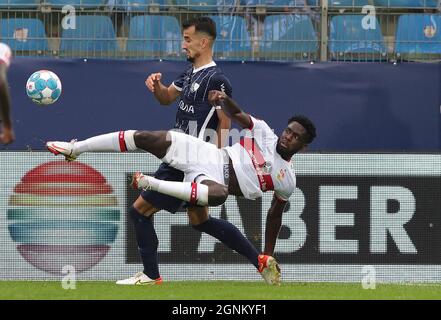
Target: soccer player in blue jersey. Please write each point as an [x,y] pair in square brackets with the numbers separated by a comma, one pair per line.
[195,116]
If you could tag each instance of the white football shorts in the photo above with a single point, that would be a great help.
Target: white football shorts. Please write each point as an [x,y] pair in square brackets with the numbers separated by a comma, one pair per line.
[198,159]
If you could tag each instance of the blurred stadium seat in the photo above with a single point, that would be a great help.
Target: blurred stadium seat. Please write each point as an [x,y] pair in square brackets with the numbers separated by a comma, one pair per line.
[93,36]
[205,5]
[15,4]
[418,35]
[288,37]
[349,38]
[347,3]
[340,3]
[233,40]
[407,3]
[140,5]
[284,30]
[25,36]
[76,3]
[281,3]
[154,36]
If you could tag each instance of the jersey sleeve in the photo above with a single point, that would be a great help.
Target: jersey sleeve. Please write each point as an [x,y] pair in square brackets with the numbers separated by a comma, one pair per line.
[260,127]
[179,82]
[5,54]
[262,133]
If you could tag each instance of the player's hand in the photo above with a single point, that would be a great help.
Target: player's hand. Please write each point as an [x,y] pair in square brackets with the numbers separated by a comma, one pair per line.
[7,135]
[153,80]
[215,97]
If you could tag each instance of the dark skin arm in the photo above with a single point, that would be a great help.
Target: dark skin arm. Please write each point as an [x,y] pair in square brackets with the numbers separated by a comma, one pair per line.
[273,224]
[223,128]
[230,107]
[6,133]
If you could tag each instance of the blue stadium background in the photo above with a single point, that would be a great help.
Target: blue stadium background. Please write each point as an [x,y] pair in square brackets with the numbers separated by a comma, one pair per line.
[369,76]
[356,106]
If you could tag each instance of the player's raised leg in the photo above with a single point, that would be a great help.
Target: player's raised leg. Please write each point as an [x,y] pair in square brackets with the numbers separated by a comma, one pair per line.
[154,142]
[205,193]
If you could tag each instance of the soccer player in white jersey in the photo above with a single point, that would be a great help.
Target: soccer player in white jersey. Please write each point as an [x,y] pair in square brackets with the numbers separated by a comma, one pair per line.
[6,131]
[260,162]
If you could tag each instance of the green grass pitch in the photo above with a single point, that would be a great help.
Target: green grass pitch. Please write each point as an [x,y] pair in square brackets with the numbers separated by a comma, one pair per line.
[214,290]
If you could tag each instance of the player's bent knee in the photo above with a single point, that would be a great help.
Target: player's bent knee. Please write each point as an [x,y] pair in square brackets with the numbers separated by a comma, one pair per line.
[142,138]
[197,221]
[217,195]
[154,142]
[217,201]
[144,208]
[197,215]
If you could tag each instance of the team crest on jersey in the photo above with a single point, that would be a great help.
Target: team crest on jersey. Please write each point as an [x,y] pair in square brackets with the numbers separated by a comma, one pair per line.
[194,87]
[267,167]
[281,174]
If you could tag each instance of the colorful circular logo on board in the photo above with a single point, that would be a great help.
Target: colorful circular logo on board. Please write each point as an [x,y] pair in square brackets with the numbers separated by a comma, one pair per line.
[61,214]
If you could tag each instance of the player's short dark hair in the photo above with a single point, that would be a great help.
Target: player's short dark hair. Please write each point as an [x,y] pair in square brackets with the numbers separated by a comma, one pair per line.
[202,24]
[307,124]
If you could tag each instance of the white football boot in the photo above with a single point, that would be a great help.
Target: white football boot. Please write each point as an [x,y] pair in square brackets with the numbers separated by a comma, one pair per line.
[64,148]
[140,181]
[139,279]
[269,269]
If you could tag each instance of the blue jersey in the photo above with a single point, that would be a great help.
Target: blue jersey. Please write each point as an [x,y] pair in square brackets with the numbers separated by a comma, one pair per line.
[195,114]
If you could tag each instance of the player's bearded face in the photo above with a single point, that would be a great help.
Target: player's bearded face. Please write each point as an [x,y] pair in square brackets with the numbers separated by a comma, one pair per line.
[191,57]
[191,44]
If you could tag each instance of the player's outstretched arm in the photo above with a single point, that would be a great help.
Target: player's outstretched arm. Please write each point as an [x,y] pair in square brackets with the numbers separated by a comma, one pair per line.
[6,133]
[223,128]
[273,224]
[230,107]
[165,95]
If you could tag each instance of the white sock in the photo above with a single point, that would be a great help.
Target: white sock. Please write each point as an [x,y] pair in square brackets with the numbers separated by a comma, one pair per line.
[120,141]
[187,191]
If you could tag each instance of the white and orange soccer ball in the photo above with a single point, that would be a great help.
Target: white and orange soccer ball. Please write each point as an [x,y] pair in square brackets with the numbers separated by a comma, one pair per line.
[43,87]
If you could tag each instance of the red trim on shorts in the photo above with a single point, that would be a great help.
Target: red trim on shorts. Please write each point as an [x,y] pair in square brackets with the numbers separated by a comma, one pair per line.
[122,142]
[194,193]
[265,180]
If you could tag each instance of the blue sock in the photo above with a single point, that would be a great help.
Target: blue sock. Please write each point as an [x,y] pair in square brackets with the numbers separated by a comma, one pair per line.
[230,236]
[147,242]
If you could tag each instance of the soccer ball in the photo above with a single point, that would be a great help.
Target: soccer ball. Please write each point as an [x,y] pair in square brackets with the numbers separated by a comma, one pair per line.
[43,87]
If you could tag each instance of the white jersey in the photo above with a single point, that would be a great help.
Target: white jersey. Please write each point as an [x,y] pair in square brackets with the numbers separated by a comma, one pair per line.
[5,54]
[258,166]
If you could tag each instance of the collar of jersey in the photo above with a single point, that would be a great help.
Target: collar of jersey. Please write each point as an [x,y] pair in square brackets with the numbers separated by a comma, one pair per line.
[211,64]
